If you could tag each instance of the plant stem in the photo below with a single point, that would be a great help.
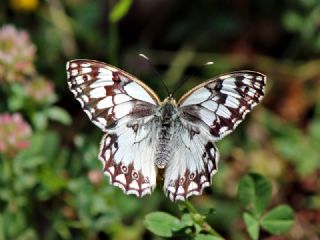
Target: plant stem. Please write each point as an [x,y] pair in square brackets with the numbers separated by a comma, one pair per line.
[200,219]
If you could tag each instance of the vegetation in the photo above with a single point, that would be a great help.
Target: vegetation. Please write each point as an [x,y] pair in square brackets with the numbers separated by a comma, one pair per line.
[51,183]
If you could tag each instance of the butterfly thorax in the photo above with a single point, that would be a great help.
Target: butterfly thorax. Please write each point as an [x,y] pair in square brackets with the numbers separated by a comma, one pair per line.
[167,114]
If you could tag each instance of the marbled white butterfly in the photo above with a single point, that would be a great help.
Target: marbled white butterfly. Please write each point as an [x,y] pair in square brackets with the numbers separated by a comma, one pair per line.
[144,134]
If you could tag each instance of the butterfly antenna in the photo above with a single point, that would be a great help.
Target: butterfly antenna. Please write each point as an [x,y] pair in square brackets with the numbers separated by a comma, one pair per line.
[186,78]
[154,70]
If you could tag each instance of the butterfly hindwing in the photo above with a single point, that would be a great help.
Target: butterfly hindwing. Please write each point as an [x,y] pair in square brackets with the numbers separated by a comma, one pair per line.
[222,103]
[193,164]
[125,153]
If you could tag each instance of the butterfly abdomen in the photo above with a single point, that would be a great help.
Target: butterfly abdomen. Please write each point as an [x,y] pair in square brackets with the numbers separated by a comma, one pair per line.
[164,147]
[165,135]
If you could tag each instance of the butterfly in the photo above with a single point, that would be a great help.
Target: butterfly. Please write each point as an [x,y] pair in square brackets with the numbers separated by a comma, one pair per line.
[144,135]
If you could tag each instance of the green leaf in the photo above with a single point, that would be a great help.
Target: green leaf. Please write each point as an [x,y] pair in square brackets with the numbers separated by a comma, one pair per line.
[254,192]
[58,114]
[39,120]
[52,180]
[162,224]
[16,98]
[25,161]
[252,225]
[279,220]
[206,237]
[186,220]
[197,227]
[29,233]
[119,10]
[25,181]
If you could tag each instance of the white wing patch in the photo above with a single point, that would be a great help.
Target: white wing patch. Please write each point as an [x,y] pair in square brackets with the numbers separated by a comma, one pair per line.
[136,91]
[223,102]
[107,94]
[207,113]
[123,107]
[125,153]
[193,164]
[200,95]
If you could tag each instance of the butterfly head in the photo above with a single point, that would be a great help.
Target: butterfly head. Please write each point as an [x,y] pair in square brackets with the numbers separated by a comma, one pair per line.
[170,100]
[167,109]
[169,104]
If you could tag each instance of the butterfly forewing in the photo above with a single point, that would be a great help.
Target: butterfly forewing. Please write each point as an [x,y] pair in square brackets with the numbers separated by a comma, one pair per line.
[107,93]
[123,107]
[222,103]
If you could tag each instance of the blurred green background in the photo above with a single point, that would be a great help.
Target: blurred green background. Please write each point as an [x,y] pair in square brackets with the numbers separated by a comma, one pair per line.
[51,182]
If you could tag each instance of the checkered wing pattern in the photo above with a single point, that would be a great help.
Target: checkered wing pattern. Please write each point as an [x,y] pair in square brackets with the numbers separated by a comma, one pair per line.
[207,113]
[123,107]
[108,94]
